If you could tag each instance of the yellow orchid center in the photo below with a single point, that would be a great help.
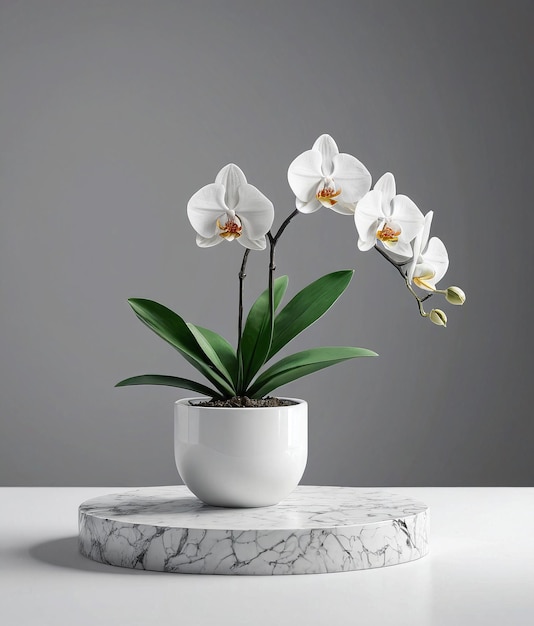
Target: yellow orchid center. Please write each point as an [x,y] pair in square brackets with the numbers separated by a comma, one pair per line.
[389,233]
[328,193]
[231,229]
[422,281]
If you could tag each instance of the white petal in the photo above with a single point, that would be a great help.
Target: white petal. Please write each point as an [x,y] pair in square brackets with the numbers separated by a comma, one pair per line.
[232,177]
[410,270]
[400,248]
[304,174]
[208,242]
[368,215]
[410,218]
[386,184]
[366,244]
[308,207]
[328,149]
[231,174]
[426,229]
[352,176]
[419,244]
[255,211]
[399,258]
[345,208]
[205,207]
[254,244]
[436,255]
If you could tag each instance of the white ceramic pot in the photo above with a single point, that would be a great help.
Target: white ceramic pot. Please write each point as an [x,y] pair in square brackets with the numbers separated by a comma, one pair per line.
[240,457]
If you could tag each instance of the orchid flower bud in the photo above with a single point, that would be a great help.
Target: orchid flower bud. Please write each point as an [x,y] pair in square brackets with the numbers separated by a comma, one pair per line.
[454,295]
[438,317]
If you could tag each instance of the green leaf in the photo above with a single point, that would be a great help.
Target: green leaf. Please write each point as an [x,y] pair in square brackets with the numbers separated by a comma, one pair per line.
[172,328]
[307,307]
[256,339]
[218,350]
[301,364]
[169,381]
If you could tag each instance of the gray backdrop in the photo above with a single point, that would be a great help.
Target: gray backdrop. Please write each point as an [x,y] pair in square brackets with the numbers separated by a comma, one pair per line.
[113,113]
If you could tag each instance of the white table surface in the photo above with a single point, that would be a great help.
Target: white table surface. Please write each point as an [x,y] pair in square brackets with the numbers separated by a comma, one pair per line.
[480,570]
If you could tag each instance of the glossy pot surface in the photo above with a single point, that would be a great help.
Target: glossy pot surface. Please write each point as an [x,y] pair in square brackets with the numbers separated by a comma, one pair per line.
[241,457]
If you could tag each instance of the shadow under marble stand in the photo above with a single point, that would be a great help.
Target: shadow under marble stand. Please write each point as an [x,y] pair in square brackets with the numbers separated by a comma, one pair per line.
[315,530]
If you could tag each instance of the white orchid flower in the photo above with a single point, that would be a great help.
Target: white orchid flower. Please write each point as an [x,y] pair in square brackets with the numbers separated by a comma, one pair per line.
[430,259]
[230,209]
[323,176]
[381,215]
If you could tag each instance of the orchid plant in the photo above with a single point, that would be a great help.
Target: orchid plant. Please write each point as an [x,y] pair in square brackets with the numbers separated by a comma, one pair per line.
[231,209]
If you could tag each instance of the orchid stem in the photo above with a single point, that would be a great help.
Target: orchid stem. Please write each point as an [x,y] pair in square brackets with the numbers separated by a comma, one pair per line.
[422,311]
[398,267]
[273,240]
[284,225]
[272,268]
[242,276]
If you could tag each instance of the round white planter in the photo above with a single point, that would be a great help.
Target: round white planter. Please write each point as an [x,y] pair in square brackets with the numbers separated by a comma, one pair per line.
[240,457]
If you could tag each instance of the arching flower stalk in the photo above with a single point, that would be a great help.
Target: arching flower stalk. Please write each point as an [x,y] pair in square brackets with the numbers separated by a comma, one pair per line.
[427,267]
[230,209]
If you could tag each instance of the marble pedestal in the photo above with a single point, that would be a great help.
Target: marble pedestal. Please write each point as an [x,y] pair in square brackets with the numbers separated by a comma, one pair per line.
[315,530]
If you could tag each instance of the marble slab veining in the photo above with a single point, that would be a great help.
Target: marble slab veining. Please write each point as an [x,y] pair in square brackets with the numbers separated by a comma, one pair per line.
[315,530]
